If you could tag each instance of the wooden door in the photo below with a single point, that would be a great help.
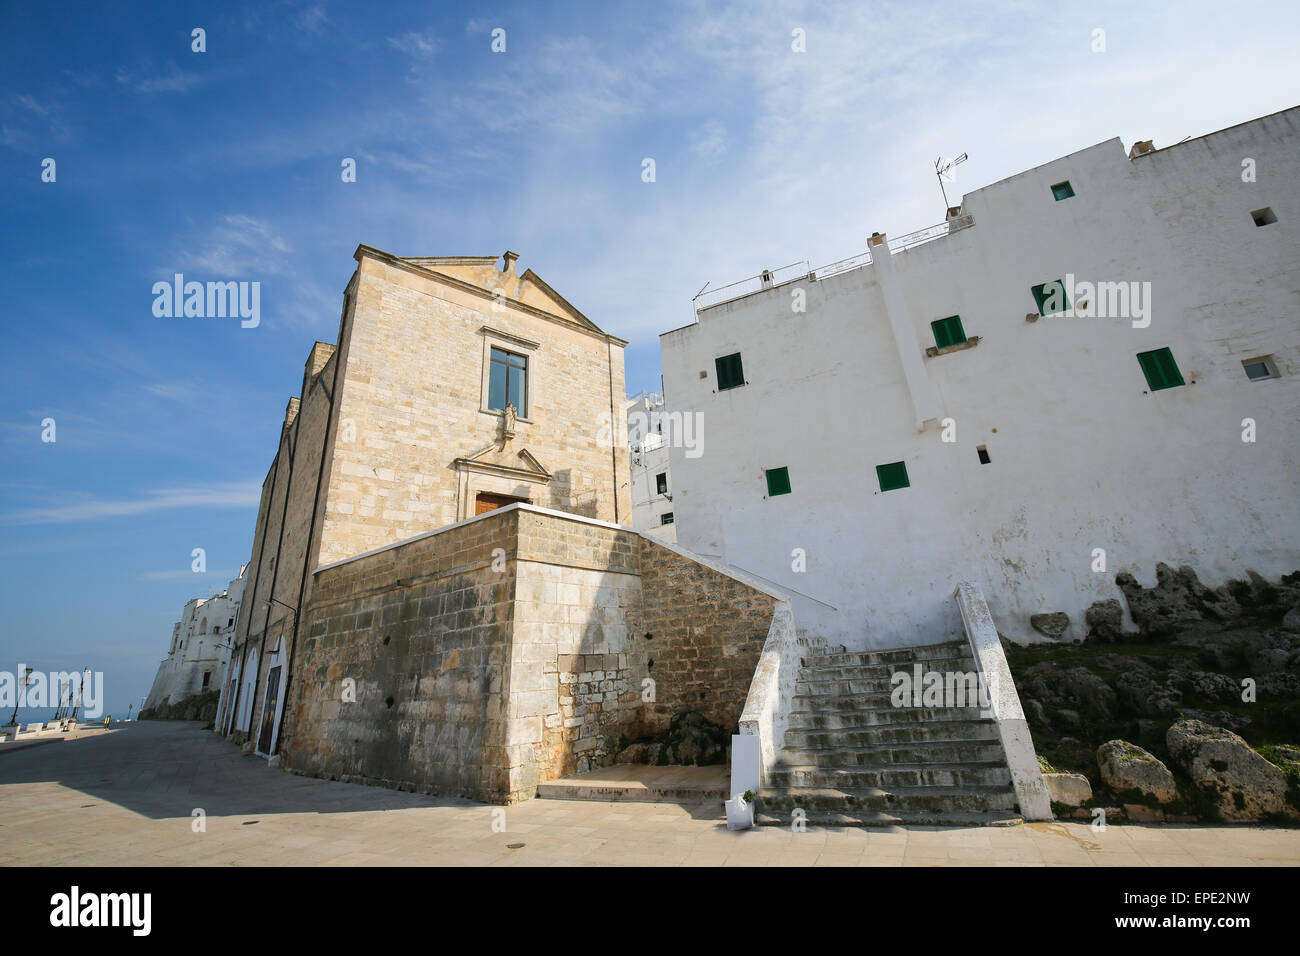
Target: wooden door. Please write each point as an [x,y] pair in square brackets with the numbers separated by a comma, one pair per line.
[488,502]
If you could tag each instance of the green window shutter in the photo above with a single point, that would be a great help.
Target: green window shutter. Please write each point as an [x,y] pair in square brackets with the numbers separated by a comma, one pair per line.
[1050,297]
[730,371]
[892,476]
[1160,369]
[948,332]
[778,481]
[1062,191]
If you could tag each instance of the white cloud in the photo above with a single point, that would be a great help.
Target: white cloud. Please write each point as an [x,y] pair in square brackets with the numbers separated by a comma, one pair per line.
[223,495]
[173,80]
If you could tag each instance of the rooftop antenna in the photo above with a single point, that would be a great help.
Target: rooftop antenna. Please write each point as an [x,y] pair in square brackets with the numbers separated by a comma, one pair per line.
[943,168]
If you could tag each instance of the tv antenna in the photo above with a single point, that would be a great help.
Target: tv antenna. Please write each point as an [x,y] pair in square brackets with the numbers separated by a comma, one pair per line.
[943,168]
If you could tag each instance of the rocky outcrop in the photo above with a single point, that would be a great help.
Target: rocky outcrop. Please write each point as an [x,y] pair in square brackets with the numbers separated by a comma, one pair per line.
[1052,625]
[1068,789]
[1126,767]
[1240,784]
[197,707]
[1105,620]
[690,739]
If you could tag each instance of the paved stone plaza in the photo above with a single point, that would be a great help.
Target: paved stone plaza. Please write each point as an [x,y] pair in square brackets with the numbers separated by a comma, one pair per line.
[126,798]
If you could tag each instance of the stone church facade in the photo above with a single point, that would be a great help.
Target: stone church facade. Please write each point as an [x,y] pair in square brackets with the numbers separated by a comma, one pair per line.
[455,386]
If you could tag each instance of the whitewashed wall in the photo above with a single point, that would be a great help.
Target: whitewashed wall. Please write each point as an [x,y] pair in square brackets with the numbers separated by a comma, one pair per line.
[1082,456]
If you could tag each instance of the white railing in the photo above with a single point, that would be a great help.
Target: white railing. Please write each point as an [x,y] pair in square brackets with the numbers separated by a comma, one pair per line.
[770,278]
[771,692]
[995,676]
[843,265]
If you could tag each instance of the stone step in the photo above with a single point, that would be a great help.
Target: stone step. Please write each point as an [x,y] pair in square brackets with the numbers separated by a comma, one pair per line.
[884,735]
[924,652]
[957,775]
[852,714]
[778,801]
[637,783]
[880,672]
[833,754]
[880,818]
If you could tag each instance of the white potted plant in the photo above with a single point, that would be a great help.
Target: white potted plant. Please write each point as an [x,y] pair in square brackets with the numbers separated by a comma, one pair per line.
[740,811]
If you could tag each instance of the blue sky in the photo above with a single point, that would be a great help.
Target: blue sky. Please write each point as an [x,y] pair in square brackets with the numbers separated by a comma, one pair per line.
[226,165]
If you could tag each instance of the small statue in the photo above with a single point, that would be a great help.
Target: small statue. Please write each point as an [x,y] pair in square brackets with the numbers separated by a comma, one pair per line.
[508,418]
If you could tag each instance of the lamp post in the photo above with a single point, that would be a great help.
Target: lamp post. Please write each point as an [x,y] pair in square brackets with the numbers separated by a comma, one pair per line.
[22,686]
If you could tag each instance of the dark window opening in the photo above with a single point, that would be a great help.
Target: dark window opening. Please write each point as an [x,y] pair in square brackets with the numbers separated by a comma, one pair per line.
[508,382]
[666,518]
[661,483]
[983,452]
[207,676]
[1259,368]
[1264,217]
[730,371]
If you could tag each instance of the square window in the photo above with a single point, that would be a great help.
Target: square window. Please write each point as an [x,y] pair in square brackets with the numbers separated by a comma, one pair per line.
[892,476]
[661,483]
[1050,297]
[1264,217]
[983,452]
[666,518]
[948,331]
[1062,190]
[1160,369]
[508,382]
[730,371]
[1260,368]
[778,481]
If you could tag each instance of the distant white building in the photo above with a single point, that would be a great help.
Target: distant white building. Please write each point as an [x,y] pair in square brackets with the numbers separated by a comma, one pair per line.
[1090,367]
[200,648]
[652,500]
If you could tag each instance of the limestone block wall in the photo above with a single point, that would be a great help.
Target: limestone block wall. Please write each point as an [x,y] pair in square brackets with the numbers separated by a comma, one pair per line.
[412,399]
[511,649]
[423,632]
[702,632]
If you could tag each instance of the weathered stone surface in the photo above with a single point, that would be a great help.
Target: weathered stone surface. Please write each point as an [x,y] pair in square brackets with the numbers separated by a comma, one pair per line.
[1139,813]
[1139,694]
[1105,620]
[1243,785]
[1219,688]
[1070,789]
[1052,625]
[1178,599]
[1091,691]
[1125,766]
[196,707]
[691,739]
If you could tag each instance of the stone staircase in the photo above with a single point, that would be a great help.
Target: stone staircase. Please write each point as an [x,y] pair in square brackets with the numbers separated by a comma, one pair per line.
[853,759]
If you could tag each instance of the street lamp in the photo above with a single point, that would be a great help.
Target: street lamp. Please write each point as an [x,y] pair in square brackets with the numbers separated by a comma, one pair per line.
[22,686]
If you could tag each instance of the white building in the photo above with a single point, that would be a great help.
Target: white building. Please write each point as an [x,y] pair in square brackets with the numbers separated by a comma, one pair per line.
[935,413]
[652,500]
[200,648]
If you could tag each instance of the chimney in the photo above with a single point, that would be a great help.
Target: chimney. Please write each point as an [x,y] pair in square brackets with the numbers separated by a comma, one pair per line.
[766,279]
[1141,148]
[954,212]
[508,267]
[877,239]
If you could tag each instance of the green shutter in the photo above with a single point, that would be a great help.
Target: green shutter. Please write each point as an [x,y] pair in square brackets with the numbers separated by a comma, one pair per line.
[948,331]
[1050,297]
[1062,191]
[778,481]
[892,476]
[730,371]
[1160,369]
